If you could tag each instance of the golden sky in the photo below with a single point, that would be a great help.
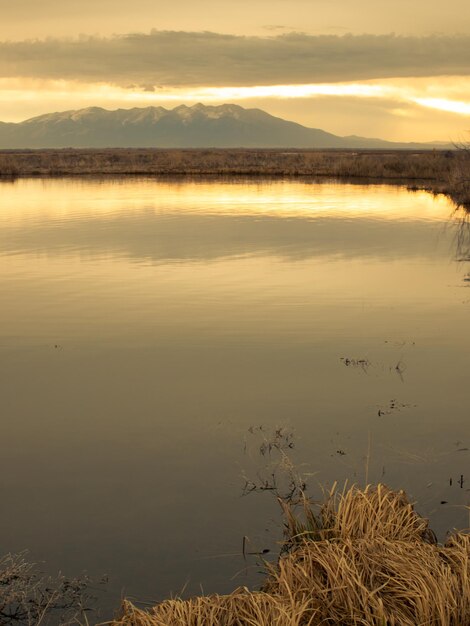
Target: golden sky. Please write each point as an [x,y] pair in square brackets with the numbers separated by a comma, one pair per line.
[398,70]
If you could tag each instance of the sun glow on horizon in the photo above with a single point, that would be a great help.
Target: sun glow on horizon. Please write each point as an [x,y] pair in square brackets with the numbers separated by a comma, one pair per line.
[451,106]
[399,99]
[24,89]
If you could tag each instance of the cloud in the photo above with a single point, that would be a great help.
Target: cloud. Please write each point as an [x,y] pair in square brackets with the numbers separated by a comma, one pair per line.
[178,59]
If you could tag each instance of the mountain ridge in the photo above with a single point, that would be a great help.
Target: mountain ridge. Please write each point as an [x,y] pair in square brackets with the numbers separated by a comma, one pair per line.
[198,126]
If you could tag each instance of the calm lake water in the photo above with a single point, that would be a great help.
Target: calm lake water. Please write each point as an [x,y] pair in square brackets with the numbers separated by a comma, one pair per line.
[148,329]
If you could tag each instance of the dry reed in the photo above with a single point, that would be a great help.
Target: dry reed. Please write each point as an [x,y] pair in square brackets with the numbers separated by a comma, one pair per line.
[364,558]
[392,165]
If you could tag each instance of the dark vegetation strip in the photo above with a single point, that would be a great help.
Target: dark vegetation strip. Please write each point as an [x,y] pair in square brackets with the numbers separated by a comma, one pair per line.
[378,164]
[438,171]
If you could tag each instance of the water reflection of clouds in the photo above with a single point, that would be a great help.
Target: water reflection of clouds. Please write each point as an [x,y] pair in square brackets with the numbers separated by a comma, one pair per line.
[189,237]
[163,366]
[160,221]
[64,198]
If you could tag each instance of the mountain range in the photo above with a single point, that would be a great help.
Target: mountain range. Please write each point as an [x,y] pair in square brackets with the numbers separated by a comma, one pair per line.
[198,126]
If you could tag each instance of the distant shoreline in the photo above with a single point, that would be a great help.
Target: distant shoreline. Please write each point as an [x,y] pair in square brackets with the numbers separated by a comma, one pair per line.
[438,171]
[413,164]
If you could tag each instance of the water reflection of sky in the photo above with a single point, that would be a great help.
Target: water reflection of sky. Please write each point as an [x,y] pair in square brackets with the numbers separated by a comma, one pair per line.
[175,221]
[146,326]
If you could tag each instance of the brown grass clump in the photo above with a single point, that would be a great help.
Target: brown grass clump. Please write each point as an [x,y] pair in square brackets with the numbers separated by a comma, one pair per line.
[241,607]
[365,557]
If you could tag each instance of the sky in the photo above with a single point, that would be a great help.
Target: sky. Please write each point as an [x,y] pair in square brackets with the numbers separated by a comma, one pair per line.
[395,69]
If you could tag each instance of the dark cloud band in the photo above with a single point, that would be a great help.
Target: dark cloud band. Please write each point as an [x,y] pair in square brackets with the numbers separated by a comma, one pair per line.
[164,58]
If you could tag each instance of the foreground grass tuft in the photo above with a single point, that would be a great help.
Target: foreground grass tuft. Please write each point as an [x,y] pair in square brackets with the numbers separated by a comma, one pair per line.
[363,557]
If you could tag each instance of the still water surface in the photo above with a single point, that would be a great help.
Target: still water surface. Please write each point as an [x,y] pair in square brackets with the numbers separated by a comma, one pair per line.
[149,328]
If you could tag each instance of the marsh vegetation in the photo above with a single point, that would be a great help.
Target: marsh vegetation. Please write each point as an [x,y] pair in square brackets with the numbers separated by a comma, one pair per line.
[430,165]
[437,171]
[29,597]
[359,557]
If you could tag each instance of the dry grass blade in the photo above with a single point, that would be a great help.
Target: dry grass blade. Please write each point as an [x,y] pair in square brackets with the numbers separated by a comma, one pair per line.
[30,598]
